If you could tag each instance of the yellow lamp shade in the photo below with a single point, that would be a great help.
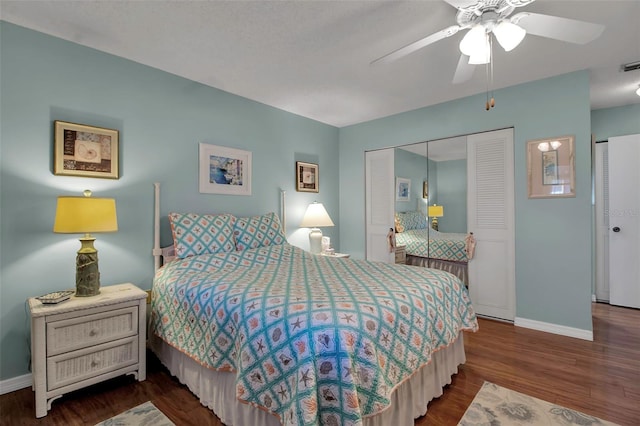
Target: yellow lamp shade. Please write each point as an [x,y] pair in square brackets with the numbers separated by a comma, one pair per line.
[80,215]
[436,211]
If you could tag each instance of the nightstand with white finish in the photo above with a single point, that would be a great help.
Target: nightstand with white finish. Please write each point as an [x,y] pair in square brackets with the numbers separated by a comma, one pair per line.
[401,254]
[86,340]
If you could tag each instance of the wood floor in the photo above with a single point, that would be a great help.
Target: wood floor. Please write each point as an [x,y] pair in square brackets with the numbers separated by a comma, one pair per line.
[601,378]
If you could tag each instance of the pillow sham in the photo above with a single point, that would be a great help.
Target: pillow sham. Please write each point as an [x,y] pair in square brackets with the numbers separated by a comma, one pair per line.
[195,234]
[411,220]
[258,231]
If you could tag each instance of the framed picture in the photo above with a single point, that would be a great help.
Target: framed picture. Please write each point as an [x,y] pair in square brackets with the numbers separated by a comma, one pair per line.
[224,170]
[425,189]
[307,177]
[551,167]
[85,151]
[403,189]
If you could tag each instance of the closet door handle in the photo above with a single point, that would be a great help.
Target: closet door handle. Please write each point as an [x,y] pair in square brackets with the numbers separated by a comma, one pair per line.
[616,229]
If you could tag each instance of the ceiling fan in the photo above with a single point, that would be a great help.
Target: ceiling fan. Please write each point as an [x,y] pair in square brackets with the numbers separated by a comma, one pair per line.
[482,18]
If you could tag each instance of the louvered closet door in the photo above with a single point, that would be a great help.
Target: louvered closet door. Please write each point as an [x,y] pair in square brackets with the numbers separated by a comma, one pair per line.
[490,216]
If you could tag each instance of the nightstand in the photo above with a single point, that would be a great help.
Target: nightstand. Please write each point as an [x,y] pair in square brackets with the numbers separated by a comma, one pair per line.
[340,255]
[401,254]
[86,340]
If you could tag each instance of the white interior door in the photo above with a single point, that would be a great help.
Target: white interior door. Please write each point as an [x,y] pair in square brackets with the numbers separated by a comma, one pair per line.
[491,218]
[624,221]
[380,203]
[602,221]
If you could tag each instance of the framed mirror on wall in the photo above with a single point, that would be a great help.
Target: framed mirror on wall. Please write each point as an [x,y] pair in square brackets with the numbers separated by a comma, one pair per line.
[551,167]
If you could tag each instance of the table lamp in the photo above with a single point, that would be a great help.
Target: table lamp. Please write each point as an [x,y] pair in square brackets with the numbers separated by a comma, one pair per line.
[84,215]
[315,217]
[435,212]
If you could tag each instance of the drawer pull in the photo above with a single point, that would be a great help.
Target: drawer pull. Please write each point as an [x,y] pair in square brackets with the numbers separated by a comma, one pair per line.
[94,332]
[95,362]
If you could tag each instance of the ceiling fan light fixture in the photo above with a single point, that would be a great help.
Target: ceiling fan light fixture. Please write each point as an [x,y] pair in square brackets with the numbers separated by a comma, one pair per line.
[509,35]
[549,146]
[480,58]
[475,41]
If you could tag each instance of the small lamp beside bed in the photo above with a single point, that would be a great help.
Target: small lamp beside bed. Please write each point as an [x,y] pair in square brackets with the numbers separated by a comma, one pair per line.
[86,215]
[435,212]
[315,217]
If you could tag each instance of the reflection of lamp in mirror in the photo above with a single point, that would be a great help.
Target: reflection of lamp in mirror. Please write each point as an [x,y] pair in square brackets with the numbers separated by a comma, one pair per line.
[549,146]
[435,212]
[315,217]
[84,215]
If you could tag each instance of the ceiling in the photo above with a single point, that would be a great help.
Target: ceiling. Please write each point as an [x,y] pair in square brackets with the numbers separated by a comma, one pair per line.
[312,58]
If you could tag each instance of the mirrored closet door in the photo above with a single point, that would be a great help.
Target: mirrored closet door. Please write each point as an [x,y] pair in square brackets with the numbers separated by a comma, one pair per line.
[435,195]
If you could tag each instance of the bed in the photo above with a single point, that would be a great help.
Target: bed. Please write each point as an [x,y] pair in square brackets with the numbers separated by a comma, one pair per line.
[429,248]
[266,333]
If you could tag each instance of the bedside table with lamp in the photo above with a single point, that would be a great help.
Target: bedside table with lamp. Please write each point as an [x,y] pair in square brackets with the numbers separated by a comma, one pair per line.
[94,335]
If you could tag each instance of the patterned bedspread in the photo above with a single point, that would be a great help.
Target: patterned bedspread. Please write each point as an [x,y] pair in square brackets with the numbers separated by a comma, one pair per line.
[313,339]
[433,244]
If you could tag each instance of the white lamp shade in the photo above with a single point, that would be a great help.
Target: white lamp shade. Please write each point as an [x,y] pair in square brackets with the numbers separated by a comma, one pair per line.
[316,216]
[475,42]
[509,35]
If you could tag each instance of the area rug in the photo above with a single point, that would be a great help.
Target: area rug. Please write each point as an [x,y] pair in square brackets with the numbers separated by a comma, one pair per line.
[143,415]
[498,406]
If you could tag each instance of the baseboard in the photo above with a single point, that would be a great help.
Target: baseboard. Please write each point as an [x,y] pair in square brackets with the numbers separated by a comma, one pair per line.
[15,383]
[554,328]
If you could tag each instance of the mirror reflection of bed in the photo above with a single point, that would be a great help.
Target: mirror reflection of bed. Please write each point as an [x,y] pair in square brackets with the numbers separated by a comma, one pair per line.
[437,169]
[470,179]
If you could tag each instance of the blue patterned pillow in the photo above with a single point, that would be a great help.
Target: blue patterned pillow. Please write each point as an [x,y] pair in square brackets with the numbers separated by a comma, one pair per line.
[258,231]
[410,220]
[195,234]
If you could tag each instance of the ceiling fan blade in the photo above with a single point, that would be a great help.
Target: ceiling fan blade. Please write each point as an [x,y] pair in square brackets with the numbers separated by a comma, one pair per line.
[416,45]
[462,4]
[564,29]
[464,71]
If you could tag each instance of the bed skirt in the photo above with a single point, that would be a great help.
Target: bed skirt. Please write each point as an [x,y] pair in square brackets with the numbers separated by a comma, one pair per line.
[216,390]
[459,269]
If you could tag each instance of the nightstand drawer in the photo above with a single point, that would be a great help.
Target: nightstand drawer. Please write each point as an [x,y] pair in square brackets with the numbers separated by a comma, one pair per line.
[89,330]
[73,367]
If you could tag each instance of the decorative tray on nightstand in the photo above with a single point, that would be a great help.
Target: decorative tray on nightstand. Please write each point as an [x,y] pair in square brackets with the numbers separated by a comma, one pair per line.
[55,297]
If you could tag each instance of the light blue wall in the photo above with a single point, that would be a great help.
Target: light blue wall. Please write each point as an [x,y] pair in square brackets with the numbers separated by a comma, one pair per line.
[414,167]
[162,119]
[452,195]
[619,121]
[553,236]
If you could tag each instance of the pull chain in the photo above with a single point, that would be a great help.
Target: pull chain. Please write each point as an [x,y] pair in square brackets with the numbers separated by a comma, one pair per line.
[489,74]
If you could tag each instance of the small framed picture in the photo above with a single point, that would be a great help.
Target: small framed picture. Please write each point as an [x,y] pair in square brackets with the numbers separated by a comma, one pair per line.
[403,189]
[224,170]
[85,151]
[307,177]
[551,167]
